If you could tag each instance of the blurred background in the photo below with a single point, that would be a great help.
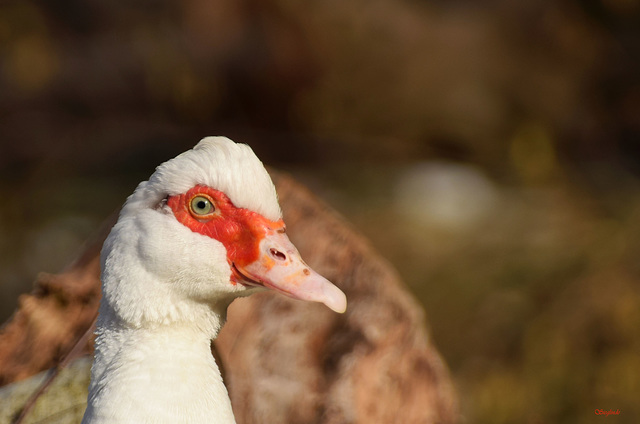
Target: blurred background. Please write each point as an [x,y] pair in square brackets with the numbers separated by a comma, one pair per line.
[489,149]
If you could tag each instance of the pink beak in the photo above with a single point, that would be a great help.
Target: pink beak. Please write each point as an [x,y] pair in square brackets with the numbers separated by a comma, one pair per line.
[280,267]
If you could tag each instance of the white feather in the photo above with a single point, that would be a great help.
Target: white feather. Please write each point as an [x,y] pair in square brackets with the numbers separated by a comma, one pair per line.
[165,294]
[219,163]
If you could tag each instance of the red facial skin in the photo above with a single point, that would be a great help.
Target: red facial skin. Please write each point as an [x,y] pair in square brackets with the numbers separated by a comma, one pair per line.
[239,230]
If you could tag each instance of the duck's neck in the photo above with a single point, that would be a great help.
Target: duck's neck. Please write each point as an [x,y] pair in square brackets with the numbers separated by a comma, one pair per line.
[156,374]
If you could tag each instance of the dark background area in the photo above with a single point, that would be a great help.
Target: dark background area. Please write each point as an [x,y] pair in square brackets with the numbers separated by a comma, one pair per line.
[489,149]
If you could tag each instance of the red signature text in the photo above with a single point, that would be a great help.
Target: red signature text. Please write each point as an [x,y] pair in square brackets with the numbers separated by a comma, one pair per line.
[607,413]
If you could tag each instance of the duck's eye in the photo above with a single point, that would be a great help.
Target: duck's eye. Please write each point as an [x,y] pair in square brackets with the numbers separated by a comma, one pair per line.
[201,205]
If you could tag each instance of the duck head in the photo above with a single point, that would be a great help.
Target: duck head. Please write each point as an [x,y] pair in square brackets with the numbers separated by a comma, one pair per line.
[204,229]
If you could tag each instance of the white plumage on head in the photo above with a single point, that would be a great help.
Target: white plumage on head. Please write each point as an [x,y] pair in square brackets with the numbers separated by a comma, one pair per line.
[219,163]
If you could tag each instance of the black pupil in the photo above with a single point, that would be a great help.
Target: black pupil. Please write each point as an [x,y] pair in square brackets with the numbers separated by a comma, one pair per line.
[202,204]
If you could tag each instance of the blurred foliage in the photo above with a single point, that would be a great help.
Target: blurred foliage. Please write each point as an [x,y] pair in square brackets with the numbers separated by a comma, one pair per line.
[488,149]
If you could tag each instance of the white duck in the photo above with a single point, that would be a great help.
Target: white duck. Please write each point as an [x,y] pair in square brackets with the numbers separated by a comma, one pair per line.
[206,228]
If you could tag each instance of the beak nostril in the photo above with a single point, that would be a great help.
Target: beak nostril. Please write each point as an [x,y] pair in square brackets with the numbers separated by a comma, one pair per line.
[277,254]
